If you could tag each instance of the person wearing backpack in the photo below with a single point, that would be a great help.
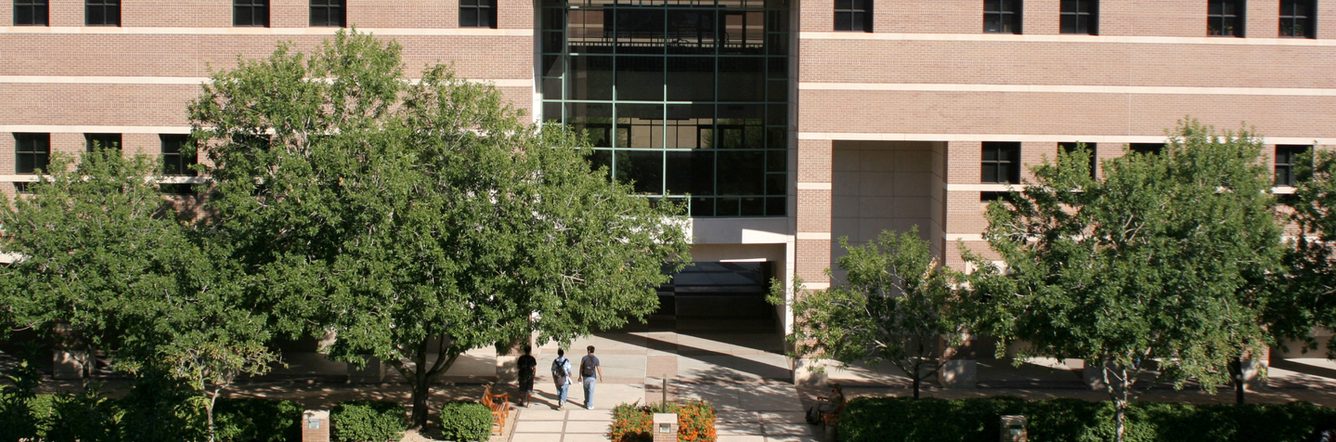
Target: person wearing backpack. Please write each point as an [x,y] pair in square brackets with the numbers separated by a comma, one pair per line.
[561,375]
[590,372]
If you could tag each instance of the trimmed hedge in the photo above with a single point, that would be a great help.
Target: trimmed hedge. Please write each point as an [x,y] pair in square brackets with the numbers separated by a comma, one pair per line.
[465,421]
[88,416]
[633,423]
[892,419]
[368,421]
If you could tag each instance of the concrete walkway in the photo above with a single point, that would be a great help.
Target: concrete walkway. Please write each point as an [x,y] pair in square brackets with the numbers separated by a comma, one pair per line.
[744,375]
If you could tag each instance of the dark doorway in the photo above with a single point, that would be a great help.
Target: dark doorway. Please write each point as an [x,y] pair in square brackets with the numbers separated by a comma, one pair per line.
[718,296]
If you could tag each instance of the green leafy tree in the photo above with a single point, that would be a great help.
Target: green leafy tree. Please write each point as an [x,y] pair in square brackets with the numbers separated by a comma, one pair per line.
[1151,267]
[105,265]
[418,220]
[1308,295]
[898,305]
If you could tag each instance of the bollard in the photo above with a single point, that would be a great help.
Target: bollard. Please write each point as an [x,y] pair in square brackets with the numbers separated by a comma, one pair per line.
[315,426]
[1013,429]
[665,427]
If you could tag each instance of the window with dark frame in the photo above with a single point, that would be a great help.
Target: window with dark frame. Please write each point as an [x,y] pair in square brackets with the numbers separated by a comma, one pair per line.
[328,13]
[1002,16]
[106,141]
[177,160]
[250,13]
[32,153]
[1001,162]
[1070,148]
[853,15]
[1296,18]
[102,12]
[1079,17]
[1287,156]
[30,12]
[1224,18]
[477,14]
[1146,148]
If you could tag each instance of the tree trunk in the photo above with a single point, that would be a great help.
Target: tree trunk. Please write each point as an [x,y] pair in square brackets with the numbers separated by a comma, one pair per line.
[1121,405]
[918,380]
[421,389]
[208,412]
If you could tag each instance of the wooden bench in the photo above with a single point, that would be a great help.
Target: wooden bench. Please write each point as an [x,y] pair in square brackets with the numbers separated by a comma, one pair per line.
[499,404]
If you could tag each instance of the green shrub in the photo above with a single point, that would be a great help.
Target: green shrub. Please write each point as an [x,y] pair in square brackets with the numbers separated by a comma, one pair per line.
[251,419]
[633,423]
[894,419]
[465,421]
[368,421]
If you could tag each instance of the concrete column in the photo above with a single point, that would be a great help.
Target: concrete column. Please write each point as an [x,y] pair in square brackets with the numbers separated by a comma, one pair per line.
[665,427]
[962,370]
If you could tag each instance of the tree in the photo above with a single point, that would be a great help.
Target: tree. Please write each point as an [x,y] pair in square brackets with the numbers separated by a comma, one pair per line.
[418,220]
[898,306]
[105,266]
[1309,288]
[1150,267]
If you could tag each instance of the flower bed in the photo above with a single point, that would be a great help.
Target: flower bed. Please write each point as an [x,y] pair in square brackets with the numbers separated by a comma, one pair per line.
[635,423]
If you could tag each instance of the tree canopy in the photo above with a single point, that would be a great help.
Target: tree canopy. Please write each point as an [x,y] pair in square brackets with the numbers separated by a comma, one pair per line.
[1308,290]
[898,305]
[106,267]
[419,219]
[1156,265]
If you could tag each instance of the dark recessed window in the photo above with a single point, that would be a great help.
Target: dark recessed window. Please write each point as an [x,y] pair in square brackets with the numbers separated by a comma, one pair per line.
[1080,17]
[177,158]
[1146,148]
[1287,155]
[1002,16]
[1224,18]
[250,13]
[853,15]
[1001,162]
[30,13]
[1069,148]
[32,152]
[327,13]
[1296,18]
[102,12]
[477,13]
[105,141]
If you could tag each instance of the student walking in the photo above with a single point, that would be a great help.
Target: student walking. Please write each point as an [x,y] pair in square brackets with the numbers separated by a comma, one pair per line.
[561,375]
[590,372]
[528,369]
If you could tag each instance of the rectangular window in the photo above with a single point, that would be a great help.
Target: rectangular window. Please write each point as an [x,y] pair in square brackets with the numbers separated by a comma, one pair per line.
[1146,148]
[1002,16]
[477,14]
[1287,156]
[250,13]
[30,12]
[853,15]
[1224,18]
[1080,17]
[106,141]
[1001,162]
[1296,18]
[327,13]
[32,152]
[102,12]
[174,160]
[1068,148]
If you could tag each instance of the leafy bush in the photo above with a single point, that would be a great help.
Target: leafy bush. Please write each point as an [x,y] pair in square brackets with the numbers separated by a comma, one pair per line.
[368,421]
[465,421]
[632,423]
[888,419]
[257,420]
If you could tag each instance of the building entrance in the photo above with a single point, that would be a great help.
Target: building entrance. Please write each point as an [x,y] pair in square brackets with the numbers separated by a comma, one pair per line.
[708,294]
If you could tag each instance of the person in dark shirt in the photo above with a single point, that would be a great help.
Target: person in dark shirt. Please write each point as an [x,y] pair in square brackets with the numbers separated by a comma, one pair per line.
[590,372]
[527,365]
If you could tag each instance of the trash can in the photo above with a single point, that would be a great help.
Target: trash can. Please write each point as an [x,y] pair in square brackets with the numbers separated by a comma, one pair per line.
[1013,429]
